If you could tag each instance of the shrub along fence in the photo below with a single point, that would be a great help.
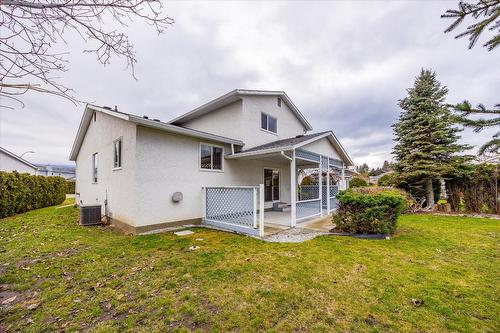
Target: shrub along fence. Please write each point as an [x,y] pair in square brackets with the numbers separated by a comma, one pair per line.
[21,192]
[367,212]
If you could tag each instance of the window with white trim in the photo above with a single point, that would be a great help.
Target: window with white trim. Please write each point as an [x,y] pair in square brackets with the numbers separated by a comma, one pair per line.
[210,157]
[268,123]
[94,167]
[117,153]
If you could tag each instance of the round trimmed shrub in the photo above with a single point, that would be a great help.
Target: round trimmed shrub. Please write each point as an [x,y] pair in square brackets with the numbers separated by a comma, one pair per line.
[368,213]
[357,182]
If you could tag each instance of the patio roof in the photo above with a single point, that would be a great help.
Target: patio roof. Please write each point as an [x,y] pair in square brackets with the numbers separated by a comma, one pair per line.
[293,143]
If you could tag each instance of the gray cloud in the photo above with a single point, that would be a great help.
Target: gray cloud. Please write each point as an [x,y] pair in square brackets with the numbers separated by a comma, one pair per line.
[344,64]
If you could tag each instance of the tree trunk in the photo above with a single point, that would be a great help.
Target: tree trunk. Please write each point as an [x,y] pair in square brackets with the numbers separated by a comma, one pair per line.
[429,193]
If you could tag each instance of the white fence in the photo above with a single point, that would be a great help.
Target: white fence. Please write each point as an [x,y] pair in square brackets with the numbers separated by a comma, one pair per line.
[235,208]
[308,203]
[334,203]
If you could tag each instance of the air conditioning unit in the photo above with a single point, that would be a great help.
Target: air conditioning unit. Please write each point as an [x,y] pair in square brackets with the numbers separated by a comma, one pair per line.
[90,214]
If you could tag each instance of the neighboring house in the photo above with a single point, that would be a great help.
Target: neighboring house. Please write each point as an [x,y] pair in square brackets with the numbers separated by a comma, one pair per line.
[374,179]
[65,171]
[11,162]
[223,163]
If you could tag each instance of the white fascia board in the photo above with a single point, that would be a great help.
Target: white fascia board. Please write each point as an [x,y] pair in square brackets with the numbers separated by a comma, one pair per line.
[259,152]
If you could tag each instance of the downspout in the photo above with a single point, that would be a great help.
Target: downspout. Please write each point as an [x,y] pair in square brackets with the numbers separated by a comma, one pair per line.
[285,156]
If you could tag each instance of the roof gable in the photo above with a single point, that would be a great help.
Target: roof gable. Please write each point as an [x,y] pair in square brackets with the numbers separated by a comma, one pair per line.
[234,96]
[143,121]
[19,158]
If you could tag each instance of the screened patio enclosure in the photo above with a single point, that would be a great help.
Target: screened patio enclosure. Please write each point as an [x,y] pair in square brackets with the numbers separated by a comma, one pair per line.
[291,187]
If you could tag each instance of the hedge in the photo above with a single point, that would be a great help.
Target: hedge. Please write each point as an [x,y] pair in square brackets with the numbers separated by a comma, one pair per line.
[21,192]
[70,186]
[367,213]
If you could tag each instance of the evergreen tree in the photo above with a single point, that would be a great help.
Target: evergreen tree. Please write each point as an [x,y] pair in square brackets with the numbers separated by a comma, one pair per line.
[487,16]
[465,110]
[376,172]
[386,166]
[363,169]
[426,139]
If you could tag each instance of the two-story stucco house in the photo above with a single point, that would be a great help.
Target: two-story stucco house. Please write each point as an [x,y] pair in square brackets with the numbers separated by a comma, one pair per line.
[234,162]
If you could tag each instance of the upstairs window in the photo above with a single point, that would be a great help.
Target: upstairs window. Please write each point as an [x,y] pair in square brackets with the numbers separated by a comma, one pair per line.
[279,101]
[94,167]
[210,157]
[117,155]
[268,123]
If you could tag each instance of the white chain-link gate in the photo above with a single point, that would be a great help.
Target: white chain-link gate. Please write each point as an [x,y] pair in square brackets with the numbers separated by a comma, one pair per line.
[235,208]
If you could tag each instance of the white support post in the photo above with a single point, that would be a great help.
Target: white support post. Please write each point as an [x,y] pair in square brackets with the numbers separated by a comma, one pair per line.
[261,210]
[320,180]
[342,179]
[328,187]
[255,207]
[203,202]
[293,190]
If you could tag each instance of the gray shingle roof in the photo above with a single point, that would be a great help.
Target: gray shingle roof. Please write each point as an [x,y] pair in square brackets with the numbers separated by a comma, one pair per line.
[284,142]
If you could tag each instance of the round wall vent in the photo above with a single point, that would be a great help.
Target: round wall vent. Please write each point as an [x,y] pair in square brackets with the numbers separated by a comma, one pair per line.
[177,197]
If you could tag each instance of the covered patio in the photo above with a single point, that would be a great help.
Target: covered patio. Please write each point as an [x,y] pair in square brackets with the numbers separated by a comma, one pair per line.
[285,203]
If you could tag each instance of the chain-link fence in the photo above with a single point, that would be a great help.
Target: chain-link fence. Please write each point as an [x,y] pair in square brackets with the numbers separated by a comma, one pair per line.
[309,208]
[233,207]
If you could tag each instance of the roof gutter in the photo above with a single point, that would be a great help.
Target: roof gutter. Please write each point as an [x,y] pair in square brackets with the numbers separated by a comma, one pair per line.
[259,152]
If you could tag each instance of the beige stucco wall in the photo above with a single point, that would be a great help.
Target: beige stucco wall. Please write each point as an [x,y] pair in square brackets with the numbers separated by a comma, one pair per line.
[288,124]
[9,164]
[323,147]
[118,186]
[241,120]
[225,121]
[168,163]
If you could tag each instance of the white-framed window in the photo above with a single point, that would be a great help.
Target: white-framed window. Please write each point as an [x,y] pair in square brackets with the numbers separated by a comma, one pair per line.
[94,167]
[268,123]
[211,157]
[117,153]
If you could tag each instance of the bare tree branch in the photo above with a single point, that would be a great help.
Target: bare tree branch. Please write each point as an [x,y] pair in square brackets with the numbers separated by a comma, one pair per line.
[30,29]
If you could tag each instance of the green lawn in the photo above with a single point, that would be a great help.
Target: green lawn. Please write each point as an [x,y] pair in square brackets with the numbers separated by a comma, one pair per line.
[68,277]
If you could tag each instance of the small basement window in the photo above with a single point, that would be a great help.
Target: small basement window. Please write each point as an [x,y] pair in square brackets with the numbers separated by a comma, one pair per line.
[268,123]
[117,154]
[94,167]
[210,157]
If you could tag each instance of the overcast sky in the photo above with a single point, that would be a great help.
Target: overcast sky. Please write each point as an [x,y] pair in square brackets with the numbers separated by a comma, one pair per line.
[344,64]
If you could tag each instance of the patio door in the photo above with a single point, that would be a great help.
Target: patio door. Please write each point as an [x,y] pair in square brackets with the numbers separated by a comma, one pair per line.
[271,184]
